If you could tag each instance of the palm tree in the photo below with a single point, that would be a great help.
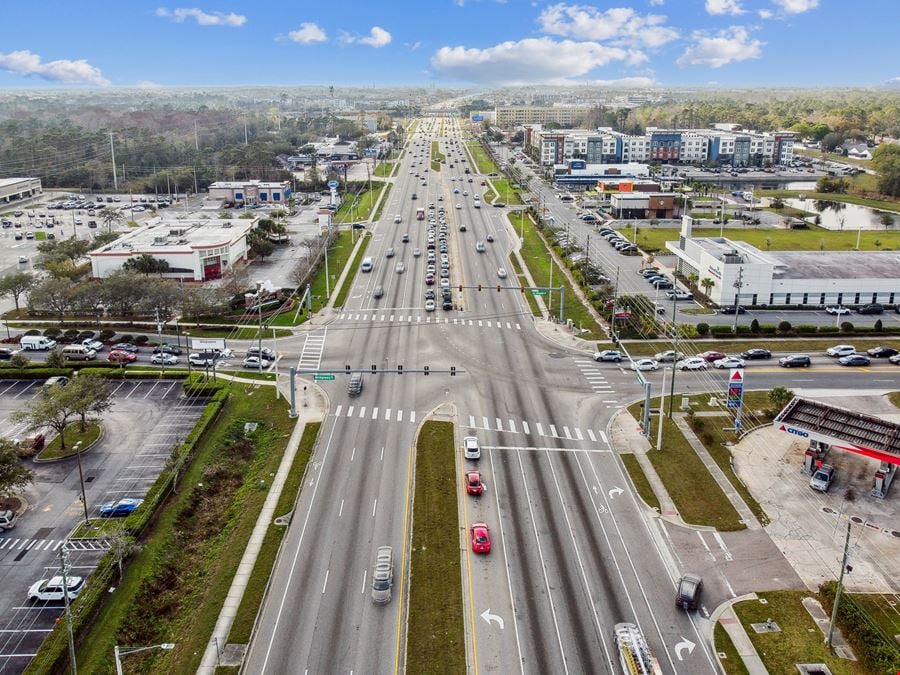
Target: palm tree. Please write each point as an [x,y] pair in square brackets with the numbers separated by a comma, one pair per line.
[707,284]
[109,216]
[692,278]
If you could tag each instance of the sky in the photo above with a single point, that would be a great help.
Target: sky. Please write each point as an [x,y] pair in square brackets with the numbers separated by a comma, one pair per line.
[480,43]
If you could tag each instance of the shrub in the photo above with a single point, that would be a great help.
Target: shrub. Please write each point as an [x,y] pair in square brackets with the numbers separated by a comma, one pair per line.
[52,332]
[806,329]
[846,327]
[721,331]
[828,329]
[871,645]
[878,327]
[125,338]
[754,326]
[106,335]
[141,340]
[702,328]
[85,335]
[767,329]
[33,331]
[784,327]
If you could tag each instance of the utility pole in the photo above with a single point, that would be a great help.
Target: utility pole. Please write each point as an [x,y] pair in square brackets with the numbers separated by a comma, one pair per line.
[837,591]
[196,138]
[64,572]
[674,357]
[259,334]
[112,150]
[738,284]
[246,140]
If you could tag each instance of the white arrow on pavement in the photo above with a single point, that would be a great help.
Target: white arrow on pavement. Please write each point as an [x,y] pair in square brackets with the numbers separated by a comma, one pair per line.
[684,644]
[487,616]
[615,491]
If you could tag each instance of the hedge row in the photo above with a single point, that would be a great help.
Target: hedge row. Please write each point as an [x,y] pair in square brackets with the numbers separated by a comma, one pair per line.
[876,650]
[32,373]
[53,655]
[785,329]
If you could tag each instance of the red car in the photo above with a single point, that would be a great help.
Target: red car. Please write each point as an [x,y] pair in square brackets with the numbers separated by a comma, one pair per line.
[474,486]
[119,356]
[711,356]
[481,538]
[429,279]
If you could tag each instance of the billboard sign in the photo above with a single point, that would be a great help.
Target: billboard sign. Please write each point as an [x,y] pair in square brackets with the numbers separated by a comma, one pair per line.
[477,118]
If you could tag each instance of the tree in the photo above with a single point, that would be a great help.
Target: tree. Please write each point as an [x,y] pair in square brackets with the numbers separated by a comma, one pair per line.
[200,301]
[887,220]
[122,291]
[51,409]
[886,160]
[780,396]
[161,297]
[55,358]
[121,545]
[146,264]
[692,279]
[262,247]
[110,216]
[19,361]
[707,284]
[14,477]
[53,295]
[70,249]
[16,284]
[88,395]
[104,238]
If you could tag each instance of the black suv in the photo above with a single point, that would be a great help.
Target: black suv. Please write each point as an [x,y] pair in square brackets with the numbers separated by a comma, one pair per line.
[731,309]
[874,308]
[795,361]
[688,594]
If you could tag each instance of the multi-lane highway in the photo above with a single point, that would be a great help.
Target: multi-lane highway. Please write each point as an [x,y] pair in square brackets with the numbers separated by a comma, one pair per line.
[573,551]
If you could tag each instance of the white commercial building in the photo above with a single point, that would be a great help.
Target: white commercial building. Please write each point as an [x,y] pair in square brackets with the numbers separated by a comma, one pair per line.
[197,249]
[778,278]
[12,189]
[251,191]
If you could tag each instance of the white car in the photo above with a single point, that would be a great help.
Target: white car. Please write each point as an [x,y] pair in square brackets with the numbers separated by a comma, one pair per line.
[429,305]
[692,363]
[255,362]
[729,362]
[679,295]
[459,206]
[471,450]
[96,345]
[837,310]
[644,364]
[501,273]
[163,359]
[840,350]
[51,590]
[398,218]
[668,356]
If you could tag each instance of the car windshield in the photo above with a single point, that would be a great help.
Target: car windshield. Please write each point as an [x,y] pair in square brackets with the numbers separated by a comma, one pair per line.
[480,537]
[381,584]
[821,475]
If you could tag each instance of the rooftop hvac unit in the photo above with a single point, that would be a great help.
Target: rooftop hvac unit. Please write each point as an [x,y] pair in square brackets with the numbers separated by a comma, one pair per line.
[182,241]
[159,241]
[224,225]
[177,231]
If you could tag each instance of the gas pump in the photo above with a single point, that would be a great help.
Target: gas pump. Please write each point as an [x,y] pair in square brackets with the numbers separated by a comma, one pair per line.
[814,456]
[883,479]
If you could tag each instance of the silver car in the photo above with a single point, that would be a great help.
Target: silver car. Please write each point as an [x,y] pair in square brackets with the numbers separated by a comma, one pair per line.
[383,576]
[823,477]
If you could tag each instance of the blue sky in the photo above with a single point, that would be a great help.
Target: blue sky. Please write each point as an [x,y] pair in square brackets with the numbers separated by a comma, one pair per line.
[739,43]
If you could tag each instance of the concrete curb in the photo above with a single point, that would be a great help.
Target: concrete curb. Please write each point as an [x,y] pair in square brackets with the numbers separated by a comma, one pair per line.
[739,638]
[99,438]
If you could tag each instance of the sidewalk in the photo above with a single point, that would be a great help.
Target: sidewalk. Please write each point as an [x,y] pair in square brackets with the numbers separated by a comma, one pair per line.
[736,500]
[219,637]
[345,272]
[739,637]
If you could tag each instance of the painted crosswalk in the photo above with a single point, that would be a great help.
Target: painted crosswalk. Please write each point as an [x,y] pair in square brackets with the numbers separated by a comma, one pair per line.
[406,318]
[594,376]
[8,544]
[313,347]
[376,414]
[533,429]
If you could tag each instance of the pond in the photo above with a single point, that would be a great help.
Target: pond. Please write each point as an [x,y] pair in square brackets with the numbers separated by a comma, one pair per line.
[841,216]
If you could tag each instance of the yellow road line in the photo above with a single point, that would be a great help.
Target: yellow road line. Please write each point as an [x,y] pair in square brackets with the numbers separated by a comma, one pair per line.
[403,560]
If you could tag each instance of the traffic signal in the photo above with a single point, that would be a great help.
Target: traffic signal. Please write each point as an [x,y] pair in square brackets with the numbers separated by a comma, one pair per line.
[521,289]
[426,371]
[374,368]
[347,369]
[460,288]
[479,288]
[498,288]
[399,370]
[452,371]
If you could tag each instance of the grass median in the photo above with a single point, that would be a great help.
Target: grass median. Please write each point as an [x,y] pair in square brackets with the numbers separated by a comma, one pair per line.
[74,436]
[520,278]
[508,194]
[385,169]
[436,639]
[483,162]
[174,587]
[693,490]
[341,297]
[639,478]
[242,627]
[882,204]
[537,259]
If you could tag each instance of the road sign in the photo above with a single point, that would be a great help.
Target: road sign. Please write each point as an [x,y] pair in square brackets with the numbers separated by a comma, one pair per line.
[207,344]
[323,377]
[332,184]
[736,388]
[539,291]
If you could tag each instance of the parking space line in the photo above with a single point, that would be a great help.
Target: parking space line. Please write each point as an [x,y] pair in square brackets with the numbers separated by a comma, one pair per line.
[499,424]
[553,431]
[155,384]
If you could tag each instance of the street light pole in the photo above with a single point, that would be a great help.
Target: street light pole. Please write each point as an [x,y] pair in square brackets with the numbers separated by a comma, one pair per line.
[81,478]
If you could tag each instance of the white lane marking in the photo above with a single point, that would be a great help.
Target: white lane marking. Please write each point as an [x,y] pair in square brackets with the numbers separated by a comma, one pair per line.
[387,414]
[566,432]
[553,431]
[350,411]
[484,423]
[525,428]
[722,545]
[341,510]
[374,413]
[603,437]
[590,433]
[382,452]
[578,434]
[471,420]
[337,411]
[353,454]
[399,415]
[412,417]
[512,426]
[540,429]
[362,412]
[374,506]
[365,575]
[326,582]
[499,424]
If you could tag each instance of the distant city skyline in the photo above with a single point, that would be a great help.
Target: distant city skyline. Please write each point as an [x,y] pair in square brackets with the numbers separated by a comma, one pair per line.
[488,43]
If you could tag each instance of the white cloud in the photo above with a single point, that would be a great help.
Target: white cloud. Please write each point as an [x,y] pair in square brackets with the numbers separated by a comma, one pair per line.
[377,37]
[181,14]
[727,46]
[732,7]
[27,63]
[765,14]
[625,82]
[530,61]
[308,33]
[412,46]
[619,25]
[657,3]
[797,6]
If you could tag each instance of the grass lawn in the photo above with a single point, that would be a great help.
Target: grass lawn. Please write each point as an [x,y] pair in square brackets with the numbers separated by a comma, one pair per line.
[483,162]
[732,662]
[520,278]
[797,345]
[813,239]
[249,374]
[639,478]
[789,212]
[385,169]
[800,640]
[338,255]
[508,194]
[351,275]
[537,259]
[696,495]
[435,640]
[73,434]
[355,208]
[184,608]
[880,610]
[265,561]
[894,398]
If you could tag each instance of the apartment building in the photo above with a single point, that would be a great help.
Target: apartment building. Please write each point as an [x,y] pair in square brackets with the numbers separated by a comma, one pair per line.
[566,116]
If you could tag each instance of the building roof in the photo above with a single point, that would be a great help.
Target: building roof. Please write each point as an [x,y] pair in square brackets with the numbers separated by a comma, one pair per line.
[178,236]
[6,182]
[239,184]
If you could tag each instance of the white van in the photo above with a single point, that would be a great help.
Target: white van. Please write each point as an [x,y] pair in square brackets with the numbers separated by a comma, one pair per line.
[79,353]
[32,343]
[398,218]
[367,264]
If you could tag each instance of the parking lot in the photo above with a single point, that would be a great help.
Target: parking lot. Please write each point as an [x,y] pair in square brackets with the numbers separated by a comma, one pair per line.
[147,418]
[809,526]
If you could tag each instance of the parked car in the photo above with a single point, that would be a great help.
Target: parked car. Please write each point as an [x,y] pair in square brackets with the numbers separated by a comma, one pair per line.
[679,295]
[126,347]
[692,363]
[167,349]
[481,538]
[873,308]
[855,360]
[644,364]
[756,353]
[728,362]
[731,309]
[822,478]
[120,509]
[53,589]
[8,520]
[687,596]
[795,361]
[840,350]
[882,352]
[90,343]
[608,355]
[837,310]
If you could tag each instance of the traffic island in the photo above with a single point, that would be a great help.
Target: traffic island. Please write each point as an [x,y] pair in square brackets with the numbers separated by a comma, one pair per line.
[435,640]
[83,439]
